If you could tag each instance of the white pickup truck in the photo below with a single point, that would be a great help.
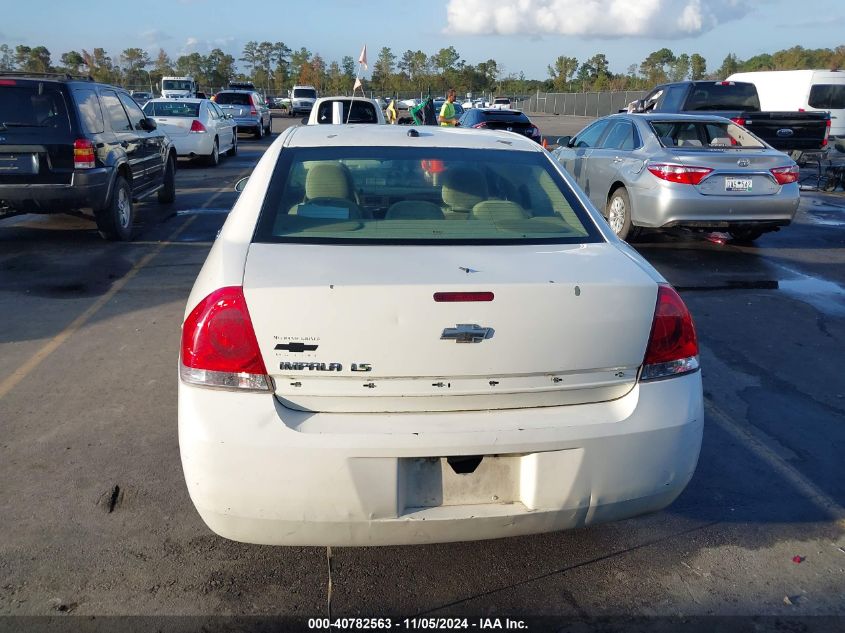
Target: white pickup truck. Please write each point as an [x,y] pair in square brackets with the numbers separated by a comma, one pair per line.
[336,110]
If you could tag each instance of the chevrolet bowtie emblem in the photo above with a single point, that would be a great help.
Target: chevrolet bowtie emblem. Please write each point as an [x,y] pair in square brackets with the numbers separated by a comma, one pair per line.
[466,333]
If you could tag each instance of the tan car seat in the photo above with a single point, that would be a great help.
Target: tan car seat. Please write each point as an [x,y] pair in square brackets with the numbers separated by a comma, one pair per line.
[462,189]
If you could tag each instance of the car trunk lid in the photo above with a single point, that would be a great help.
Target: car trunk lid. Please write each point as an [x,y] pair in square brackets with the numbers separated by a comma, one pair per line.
[736,172]
[357,328]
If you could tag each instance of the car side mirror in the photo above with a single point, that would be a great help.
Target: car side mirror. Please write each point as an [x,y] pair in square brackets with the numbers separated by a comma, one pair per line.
[304,120]
[561,141]
[241,184]
[148,124]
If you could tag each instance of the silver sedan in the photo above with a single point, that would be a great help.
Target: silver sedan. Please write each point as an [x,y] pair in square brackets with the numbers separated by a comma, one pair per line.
[664,170]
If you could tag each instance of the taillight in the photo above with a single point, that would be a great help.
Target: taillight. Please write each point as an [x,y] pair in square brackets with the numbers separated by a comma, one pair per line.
[197,127]
[252,110]
[459,297]
[535,131]
[785,175]
[483,124]
[826,133]
[672,346]
[738,120]
[219,348]
[679,173]
[83,154]
[7,82]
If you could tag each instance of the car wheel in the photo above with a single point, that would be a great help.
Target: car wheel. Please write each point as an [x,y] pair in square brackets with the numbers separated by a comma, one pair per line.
[116,220]
[233,151]
[213,159]
[167,193]
[618,215]
[269,129]
[259,131]
[745,234]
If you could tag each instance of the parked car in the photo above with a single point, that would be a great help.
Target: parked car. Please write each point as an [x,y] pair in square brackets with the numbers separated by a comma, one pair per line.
[197,127]
[501,103]
[336,110]
[495,119]
[248,110]
[665,170]
[802,91]
[302,100]
[141,97]
[738,101]
[71,143]
[504,364]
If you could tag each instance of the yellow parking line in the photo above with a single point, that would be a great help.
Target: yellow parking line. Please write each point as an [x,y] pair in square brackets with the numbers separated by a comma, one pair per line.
[36,359]
[761,449]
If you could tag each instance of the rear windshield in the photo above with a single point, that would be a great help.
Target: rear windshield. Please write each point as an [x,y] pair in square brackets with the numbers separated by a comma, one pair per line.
[171,84]
[33,107]
[233,98]
[704,134]
[362,112]
[305,93]
[172,108]
[420,196]
[511,116]
[502,101]
[723,96]
[827,96]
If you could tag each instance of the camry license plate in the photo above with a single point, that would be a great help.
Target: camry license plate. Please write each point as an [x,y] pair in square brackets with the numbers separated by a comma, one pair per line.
[737,184]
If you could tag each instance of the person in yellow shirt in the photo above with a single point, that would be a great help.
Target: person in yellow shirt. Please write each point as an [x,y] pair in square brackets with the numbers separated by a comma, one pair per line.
[447,116]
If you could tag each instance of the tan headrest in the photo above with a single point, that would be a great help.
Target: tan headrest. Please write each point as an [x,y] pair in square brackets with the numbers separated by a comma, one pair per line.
[328,180]
[496,210]
[463,188]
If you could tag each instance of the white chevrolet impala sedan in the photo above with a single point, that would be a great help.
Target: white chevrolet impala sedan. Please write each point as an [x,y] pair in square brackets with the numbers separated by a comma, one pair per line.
[425,335]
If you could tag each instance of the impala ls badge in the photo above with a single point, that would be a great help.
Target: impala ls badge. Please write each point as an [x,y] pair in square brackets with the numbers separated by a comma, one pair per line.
[466,333]
[743,162]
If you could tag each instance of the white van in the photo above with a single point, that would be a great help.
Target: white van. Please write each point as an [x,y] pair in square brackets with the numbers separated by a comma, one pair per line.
[802,90]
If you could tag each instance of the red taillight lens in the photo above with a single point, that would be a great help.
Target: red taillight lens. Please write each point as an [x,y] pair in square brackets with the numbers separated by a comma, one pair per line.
[826,133]
[483,124]
[679,173]
[219,348]
[83,154]
[455,297]
[672,346]
[785,175]
[738,120]
[197,127]
[8,82]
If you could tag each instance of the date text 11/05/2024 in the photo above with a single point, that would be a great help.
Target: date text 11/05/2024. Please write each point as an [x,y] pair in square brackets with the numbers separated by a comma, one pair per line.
[435,624]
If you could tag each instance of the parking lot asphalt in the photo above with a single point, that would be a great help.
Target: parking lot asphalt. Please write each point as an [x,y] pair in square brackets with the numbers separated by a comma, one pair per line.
[96,519]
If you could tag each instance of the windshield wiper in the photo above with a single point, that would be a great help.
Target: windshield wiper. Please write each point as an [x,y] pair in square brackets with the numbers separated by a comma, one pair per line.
[8,124]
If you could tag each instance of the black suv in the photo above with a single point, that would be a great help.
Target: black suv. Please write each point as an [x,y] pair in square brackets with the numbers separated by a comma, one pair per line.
[68,143]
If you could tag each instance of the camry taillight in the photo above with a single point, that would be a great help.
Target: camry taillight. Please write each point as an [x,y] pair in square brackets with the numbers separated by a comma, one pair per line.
[219,348]
[197,127]
[672,346]
[785,175]
[83,154]
[679,173]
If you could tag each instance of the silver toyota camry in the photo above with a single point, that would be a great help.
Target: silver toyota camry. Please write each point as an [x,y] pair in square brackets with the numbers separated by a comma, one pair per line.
[665,170]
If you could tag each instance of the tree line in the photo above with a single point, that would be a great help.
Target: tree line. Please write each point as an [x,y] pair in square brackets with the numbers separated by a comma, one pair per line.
[274,68]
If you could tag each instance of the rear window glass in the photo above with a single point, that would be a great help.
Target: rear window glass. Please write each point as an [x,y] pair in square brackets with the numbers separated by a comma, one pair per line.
[704,134]
[233,98]
[827,96]
[176,84]
[727,96]
[172,108]
[25,107]
[420,196]
[362,112]
[305,93]
[89,110]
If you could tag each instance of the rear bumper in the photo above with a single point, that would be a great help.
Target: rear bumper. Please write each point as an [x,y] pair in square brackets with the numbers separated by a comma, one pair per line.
[682,205]
[193,144]
[260,473]
[87,188]
[247,123]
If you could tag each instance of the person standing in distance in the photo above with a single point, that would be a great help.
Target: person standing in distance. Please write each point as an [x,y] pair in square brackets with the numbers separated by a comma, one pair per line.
[447,116]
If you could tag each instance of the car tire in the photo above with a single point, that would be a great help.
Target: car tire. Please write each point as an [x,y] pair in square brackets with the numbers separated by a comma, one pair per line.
[259,131]
[233,151]
[167,193]
[618,215]
[745,234]
[213,159]
[269,129]
[116,220]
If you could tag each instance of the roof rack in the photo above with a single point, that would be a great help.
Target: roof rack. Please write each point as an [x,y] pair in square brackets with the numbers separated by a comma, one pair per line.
[54,75]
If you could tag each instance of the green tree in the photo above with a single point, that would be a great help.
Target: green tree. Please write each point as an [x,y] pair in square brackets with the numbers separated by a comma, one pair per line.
[656,67]
[248,56]
[218,68]
[562,71]
[33,60]
[680,68]
[135,62]
[7,57]
[100,66]
[383,68]
[299,60]
[698,67]
[729,66]
[445,59]
[347,65]
[73,62]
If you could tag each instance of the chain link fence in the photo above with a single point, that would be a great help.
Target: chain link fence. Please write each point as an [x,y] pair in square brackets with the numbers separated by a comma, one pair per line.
[589,104]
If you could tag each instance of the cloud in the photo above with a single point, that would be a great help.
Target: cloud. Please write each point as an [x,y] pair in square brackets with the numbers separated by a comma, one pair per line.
[666,19]
[205,46]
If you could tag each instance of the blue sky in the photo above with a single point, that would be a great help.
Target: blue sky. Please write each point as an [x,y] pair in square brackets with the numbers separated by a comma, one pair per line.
[522,35]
